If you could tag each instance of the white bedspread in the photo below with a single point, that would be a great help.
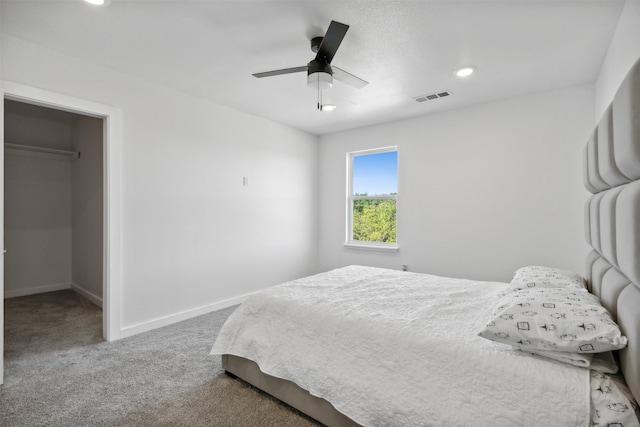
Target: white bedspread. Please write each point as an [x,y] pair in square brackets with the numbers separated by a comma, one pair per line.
[390,348]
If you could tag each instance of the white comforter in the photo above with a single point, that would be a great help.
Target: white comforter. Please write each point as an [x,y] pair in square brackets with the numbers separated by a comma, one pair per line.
[390,348]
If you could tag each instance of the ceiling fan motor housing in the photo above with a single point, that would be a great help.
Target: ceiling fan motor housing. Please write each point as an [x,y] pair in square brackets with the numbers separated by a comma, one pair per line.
[319,75]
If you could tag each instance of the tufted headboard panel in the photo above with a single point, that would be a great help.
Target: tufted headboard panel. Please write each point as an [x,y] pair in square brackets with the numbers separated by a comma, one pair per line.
[611,160]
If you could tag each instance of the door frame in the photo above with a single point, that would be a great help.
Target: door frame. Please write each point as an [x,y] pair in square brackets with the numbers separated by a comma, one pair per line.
[112,229]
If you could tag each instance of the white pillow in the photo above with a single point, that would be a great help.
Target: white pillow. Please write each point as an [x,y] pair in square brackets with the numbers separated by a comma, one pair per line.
[554,319]
[601,362]
[535,276]
[604,362]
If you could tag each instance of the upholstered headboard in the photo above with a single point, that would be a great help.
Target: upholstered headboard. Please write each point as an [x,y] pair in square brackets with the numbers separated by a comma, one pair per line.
[612,217]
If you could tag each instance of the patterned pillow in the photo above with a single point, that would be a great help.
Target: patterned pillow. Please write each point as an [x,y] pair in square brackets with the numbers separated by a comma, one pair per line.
[554,319]
[535,276]
[612,402]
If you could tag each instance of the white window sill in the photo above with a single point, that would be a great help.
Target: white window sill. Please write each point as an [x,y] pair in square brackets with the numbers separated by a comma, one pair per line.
[371,246]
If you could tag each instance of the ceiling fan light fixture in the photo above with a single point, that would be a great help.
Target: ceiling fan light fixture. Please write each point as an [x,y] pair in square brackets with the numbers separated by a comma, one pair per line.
[319,81]
[464,71]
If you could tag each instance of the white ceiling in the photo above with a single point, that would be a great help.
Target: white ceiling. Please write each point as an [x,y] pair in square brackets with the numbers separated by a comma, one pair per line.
[403,48]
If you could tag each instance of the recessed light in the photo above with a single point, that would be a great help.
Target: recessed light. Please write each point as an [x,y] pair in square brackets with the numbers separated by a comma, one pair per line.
[328,107]
[464,71]
[98,2]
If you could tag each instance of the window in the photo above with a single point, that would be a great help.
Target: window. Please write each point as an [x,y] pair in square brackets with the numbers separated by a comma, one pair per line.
[372,198]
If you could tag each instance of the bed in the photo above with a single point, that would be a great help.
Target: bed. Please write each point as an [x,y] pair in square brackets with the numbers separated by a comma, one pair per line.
[370,346]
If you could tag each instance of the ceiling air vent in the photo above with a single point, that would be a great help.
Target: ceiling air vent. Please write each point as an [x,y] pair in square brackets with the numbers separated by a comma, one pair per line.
[432,96]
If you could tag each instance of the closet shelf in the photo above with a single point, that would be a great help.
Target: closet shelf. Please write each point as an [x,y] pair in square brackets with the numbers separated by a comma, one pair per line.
[72,155]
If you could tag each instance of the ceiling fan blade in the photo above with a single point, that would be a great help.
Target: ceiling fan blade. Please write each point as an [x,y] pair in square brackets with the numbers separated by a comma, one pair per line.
[279,72]
[331,41]
[348,78]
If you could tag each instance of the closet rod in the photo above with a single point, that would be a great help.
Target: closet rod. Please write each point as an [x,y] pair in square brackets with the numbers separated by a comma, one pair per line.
[71,154]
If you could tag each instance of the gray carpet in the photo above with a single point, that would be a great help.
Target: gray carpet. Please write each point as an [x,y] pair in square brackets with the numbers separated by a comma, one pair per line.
[59,372]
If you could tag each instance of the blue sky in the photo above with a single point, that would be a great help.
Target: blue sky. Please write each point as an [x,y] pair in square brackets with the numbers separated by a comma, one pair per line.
[375,174]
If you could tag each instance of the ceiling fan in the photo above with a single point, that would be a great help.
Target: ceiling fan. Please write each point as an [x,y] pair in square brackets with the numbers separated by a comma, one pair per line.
[320,72]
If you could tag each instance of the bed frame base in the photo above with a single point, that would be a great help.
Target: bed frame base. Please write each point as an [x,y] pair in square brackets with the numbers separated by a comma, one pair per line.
[286,391]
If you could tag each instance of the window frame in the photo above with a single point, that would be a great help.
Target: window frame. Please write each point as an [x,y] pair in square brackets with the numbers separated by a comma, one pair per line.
[360,244]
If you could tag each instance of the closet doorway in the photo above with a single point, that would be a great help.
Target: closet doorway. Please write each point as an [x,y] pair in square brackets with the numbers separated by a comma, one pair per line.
[112,229]
[53,200]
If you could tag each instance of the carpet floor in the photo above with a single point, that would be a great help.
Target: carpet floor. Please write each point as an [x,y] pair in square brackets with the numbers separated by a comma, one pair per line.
[60,372]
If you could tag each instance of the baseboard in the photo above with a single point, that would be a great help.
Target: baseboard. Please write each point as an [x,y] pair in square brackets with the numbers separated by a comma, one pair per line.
[88,295]
[36,290]
[178,317]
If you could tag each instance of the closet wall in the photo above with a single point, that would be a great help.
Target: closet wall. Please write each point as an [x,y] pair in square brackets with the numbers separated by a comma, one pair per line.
[53,204]
[87,208]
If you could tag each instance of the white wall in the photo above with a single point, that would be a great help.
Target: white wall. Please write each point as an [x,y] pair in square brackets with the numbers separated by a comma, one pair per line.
[86,208]
[482,190]
[37,208]
[192,234]
[623,52]
[31,130]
